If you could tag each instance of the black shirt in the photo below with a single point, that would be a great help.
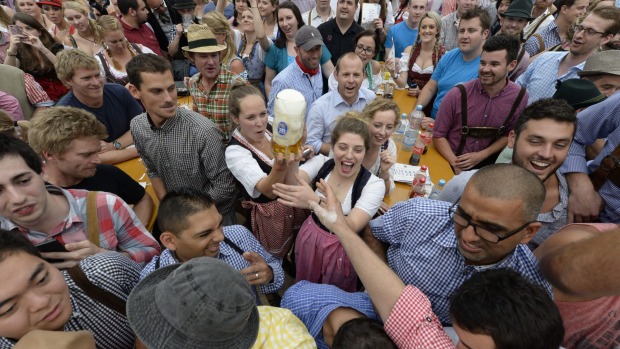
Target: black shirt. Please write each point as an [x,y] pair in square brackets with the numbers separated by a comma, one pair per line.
[338,43]
[113,180]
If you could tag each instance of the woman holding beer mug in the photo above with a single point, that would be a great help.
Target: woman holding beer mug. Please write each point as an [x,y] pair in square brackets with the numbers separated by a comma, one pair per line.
[383,117]
[250,158]
[319,255]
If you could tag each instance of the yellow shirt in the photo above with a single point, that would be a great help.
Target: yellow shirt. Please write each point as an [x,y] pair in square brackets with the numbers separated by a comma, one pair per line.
[279,328]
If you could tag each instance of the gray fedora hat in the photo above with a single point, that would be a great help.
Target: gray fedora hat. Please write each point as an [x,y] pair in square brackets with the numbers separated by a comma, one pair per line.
[203,303]
[604,62]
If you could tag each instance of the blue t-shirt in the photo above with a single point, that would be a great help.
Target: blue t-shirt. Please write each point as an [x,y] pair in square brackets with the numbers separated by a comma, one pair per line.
[119,107]
[403,36]
[452,70]
[277,58]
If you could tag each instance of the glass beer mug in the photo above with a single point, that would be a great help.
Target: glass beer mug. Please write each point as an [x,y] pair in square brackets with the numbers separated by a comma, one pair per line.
[288,122]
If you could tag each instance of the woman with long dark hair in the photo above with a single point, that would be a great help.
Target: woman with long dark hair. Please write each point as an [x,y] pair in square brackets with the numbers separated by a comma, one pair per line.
[34,52]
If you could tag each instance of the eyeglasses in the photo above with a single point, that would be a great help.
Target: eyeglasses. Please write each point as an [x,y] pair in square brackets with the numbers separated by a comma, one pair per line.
[587,31]
[366,50]
[158,6]
[482,232]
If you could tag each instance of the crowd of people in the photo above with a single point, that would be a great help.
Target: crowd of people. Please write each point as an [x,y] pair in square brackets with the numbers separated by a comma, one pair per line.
[246,247]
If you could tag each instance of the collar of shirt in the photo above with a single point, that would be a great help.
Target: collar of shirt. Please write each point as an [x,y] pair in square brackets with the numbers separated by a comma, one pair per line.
[339,100]
[167,126]
[314,14]
[336,29]
[478,87]
[128,27]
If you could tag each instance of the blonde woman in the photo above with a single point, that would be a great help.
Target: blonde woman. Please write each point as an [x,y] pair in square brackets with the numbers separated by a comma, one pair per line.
[5,18]
[85,37]
[268,10]
[253,46]
[225,35]
[117,51]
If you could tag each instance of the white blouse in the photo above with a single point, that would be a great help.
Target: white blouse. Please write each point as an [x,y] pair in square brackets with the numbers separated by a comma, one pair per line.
[244,167]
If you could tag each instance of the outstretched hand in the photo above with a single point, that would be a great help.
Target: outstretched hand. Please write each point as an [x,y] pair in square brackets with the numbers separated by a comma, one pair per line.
[295,195]
[330,211]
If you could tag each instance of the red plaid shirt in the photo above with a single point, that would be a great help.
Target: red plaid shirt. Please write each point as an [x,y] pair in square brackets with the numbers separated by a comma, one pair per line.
[119,228]
[413,325]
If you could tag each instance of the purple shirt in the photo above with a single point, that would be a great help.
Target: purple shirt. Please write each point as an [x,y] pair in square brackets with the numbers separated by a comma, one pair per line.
[482,111]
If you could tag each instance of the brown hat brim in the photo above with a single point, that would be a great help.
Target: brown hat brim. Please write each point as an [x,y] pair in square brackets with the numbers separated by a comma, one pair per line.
[205,49]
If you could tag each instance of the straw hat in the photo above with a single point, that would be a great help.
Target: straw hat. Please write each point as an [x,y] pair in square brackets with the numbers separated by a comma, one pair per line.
[200,39]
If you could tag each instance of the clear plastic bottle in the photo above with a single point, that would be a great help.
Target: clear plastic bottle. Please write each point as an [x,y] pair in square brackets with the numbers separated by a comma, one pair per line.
[429,136]
[421,172]
[418,149]
[417,188]
[437,189]
[400,132]
[409,139]
[415,119]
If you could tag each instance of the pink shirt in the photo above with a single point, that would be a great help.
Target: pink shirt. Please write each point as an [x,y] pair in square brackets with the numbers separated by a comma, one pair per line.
[11,105]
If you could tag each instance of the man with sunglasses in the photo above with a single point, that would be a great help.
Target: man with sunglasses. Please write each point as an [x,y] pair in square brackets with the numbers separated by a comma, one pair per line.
[596,29]
[436,245]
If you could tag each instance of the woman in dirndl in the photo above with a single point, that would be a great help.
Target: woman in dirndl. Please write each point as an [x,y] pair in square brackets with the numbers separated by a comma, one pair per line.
[250,158]
[319,256]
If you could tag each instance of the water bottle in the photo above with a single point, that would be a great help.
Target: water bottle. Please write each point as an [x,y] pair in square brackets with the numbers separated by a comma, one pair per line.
[417,188]
[429,136]
[400,132]
[437,189]
[409,139]
[415,120]
[418,148]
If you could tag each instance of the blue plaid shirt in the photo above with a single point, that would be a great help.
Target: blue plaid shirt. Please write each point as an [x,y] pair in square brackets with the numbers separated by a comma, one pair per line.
[312,303]
[246,241]
[540,77]
[293,77]
[423,252]
[550,36]
[598,121]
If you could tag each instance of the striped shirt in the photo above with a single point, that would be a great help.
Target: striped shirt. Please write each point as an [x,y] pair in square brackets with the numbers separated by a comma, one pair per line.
[247,242]
[423,252]
[114,273]
[119,228]
[214,104]
[186,152]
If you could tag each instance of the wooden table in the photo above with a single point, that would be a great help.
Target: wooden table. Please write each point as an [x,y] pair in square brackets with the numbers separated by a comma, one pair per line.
[438,167]
[136,170]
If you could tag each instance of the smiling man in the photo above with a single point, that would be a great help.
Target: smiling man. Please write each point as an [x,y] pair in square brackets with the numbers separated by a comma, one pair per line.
[475,117]
[349,96]
[35,295]
[192,227]
[180,148]
[596,29]
[110,103]
[402,34]
[450,24]
[437,245]
[512,22]
[541,139]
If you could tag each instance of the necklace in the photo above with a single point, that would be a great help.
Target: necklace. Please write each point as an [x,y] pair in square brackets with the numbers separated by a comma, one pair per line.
[93,41]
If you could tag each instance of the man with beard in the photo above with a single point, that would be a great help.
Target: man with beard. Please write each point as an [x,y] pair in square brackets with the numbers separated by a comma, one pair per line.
[475,117]
[303,75]
[540,140]
[512,22]
[133,19]
[595,30]
[68,141]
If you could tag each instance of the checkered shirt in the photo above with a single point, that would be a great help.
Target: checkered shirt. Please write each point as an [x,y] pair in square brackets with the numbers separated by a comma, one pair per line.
[598,121]
[35,93]
[246,241]
[550,36]
[449,32]
[214,104]
[114,273]
[423,252]
[186,152]
[413,325]
[293,77]
[119,228]
[312,303]
[541,75]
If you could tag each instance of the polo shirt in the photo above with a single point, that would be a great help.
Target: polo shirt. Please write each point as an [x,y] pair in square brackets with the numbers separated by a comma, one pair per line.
[186,152]
[119,228]
[541,75]
[111,272]
[327,110]
[311,87]
[337,42]
[423,252]
[451,70]
[143,35]
[402,36]
[482,111]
